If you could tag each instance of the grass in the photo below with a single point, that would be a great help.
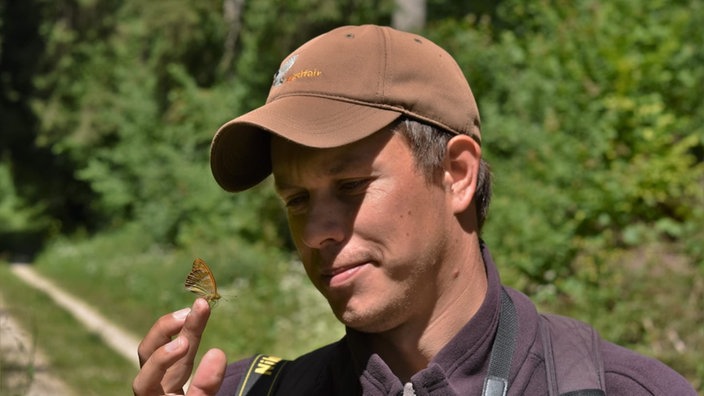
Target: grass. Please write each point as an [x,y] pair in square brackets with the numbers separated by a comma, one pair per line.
[266,296]
[74,354]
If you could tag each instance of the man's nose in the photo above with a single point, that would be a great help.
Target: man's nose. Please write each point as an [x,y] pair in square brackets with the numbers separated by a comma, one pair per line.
[324,223]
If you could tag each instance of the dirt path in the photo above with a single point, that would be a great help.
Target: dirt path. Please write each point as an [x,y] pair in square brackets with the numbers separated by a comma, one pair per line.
[25,368]
[113,336]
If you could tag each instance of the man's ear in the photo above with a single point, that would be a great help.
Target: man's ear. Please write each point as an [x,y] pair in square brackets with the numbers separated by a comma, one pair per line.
[461,168]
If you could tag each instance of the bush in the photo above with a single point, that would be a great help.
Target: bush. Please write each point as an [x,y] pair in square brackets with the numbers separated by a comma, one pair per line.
[593,134]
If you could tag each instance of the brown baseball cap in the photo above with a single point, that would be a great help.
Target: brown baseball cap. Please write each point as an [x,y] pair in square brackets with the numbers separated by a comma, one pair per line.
[341,87]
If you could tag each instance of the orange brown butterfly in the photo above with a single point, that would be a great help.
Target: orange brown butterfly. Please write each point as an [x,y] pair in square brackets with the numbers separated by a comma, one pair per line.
[202,282]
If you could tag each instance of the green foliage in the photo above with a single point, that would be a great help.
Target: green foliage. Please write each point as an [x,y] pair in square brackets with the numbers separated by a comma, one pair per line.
[604,126]
[15,213]
[23,226]
[135,106]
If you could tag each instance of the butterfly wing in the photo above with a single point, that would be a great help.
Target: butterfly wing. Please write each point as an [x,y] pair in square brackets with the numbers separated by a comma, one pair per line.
[202,282]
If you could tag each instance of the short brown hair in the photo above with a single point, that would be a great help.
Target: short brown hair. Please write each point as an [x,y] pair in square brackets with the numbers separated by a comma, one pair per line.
[428,145]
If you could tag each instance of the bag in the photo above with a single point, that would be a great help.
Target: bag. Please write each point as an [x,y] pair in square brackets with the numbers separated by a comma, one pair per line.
[571,351]
[261,375]
[572,357]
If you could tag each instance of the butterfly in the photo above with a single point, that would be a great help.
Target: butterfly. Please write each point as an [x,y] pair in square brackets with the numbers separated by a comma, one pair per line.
[202,282]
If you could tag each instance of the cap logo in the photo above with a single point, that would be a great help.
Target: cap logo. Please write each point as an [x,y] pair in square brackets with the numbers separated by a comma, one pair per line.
[280,75]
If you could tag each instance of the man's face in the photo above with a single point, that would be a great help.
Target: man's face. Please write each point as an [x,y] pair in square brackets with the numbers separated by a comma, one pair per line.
[367,225]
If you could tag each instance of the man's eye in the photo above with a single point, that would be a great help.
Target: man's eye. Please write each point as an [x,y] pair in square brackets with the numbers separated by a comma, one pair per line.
[354,185]
[295,201]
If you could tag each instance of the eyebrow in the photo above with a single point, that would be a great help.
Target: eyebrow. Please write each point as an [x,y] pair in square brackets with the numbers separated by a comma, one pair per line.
[342,164]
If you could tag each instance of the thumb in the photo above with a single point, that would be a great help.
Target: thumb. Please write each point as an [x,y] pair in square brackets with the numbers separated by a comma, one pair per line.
[209,374]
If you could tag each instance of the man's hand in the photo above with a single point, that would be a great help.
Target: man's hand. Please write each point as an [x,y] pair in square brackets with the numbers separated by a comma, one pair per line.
[167,361]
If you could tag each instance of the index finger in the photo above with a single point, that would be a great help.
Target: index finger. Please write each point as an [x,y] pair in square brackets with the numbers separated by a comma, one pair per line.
[192,330]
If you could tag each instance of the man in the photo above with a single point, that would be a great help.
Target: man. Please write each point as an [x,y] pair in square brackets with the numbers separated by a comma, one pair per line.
[373,138]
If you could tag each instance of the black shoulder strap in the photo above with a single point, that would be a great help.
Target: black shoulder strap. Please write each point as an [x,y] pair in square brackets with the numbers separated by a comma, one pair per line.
[496,381]
[572,357]
[307,375]
[261,375]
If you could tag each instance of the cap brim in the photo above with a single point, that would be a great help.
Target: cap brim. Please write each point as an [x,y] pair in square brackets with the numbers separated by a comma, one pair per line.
[239,154]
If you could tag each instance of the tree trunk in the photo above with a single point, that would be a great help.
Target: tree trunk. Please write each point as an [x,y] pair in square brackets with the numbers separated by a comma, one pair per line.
[409,15]
[232,13]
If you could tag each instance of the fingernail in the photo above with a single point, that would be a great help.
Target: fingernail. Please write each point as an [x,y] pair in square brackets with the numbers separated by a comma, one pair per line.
[200,304]
[181,313]
[173,345]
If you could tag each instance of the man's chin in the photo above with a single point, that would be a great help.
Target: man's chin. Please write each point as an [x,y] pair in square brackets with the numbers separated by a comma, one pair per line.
[364,322]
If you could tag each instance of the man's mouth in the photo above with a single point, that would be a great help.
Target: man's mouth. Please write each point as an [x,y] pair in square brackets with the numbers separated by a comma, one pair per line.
[341,276]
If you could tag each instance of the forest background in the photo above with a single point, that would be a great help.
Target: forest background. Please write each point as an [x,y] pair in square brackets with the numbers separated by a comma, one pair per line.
[593,122]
